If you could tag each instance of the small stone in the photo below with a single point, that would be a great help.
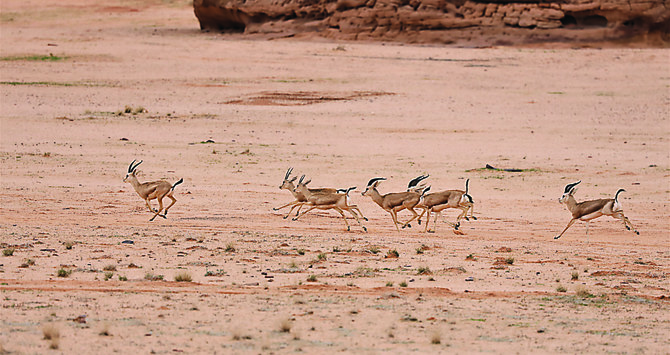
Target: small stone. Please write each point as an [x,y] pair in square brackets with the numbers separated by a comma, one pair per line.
[470,279]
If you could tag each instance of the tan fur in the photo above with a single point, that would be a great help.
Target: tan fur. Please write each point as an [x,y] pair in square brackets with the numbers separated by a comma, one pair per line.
[300,199]
[439,201]
[394,202]
[326,200]
[591,209]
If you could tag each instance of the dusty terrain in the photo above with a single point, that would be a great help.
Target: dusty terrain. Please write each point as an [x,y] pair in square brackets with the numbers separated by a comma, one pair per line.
[341,113]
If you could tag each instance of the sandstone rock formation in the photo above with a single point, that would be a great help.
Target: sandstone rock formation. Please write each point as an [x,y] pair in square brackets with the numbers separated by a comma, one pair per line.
[463,22]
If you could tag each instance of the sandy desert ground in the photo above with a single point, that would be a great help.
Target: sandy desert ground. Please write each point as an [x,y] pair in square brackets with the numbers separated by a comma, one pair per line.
[230,115]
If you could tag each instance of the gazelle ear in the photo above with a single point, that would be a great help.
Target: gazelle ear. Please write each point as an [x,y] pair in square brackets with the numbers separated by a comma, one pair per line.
[292,180]
[307,182]
[573,190]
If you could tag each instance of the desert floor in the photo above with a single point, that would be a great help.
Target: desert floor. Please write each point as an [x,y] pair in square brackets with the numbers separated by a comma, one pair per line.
[231,115]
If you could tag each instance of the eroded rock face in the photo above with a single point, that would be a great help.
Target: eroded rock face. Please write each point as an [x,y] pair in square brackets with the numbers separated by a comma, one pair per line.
[485,22]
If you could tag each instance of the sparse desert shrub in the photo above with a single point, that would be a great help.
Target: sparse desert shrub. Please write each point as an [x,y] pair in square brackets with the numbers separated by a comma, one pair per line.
[123,278]
[422,248]
[183,276]
[424,270]
[301,251]
[108,275]
[392,254]
[435,337]
[104,330]
[322,257]
[285,325]
[8,252]
[52,333]
[151,277]
[311,278]
[336,249]
[218,272]
[63,272]
[583,292]
[575,276]
[230,248]
[403,284]
[373,250]
[68,245]
[561,289]
[471,257]
[509,260]
[27,263]
[109,268]
[389,283]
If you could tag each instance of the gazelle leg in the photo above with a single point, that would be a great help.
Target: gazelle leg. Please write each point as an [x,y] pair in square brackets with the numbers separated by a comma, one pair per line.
[416,215]
[437,215]
[302,214]
[354,207]
[160,208]
[286,205]
[472,211]
[148,205]
[572,221]
[351,210]
[421,215]
[174,200]
[343,217]
[626,222]
[425,230]
[395,219]
[295,204]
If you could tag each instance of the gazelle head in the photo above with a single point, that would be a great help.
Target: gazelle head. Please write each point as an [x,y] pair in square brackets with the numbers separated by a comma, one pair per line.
[414,184]
[131,170]
[287,184]
[301,184]
[569,191]
[372,184]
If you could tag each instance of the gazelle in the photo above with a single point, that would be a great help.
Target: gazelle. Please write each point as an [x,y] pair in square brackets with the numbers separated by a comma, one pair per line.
[395,202]
[300,199]
[327,201]
[439,201]
[588,210]
[152,190]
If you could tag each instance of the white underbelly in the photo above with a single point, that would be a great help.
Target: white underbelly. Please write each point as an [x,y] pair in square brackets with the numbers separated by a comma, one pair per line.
[590,216]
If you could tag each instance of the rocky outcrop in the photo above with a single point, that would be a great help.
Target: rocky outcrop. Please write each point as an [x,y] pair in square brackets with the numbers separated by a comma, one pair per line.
[471,22]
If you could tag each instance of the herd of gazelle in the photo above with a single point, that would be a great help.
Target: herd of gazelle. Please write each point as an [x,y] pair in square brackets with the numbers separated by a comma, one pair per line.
[416,197]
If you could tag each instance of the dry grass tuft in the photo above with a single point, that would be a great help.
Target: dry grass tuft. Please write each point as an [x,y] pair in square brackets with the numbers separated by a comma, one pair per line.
[104,330]
[51,332]
[109,268]
[183,276]
[285,325]
[435,337]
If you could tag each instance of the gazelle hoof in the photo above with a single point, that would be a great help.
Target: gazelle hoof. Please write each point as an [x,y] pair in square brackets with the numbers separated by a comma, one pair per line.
[636,232]
[473,217]
[467,219]
[366,219]
[431,231]
[418,221]
[627,228]
[164,216]
[408,225]
[274,209]
[348,229]
[556,237]
[294,218]
[365,229]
